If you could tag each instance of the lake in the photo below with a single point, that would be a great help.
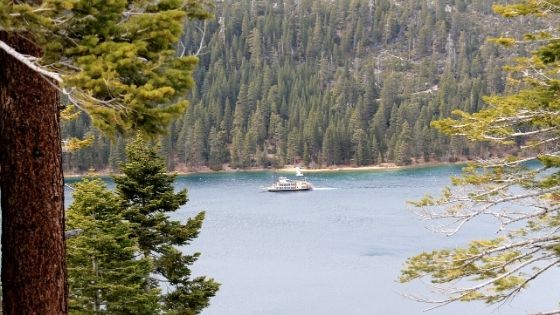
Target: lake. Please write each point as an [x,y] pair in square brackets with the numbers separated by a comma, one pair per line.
[335,250]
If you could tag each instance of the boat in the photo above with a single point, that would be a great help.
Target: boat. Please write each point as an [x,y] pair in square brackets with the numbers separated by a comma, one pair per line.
[286,184]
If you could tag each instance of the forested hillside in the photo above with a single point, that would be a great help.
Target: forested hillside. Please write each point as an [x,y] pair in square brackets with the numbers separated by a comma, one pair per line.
[323,83]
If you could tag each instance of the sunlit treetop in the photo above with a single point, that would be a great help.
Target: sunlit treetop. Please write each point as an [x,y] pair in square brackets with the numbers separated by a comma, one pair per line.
[115,59]
[528,7]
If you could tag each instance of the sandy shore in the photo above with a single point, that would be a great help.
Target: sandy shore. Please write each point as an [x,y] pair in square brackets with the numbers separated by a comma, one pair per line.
[292,169]
[285,169]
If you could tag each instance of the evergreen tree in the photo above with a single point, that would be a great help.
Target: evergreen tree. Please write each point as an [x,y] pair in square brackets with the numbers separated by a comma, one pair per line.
[523,199]
[218,148]
[104,274]
[310,64]
[403,147]
[117,61]
[147,197]
[116,153]
[360,147]
[378,128]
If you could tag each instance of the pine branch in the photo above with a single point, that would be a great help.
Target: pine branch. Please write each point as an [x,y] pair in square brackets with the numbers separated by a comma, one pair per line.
[29,63]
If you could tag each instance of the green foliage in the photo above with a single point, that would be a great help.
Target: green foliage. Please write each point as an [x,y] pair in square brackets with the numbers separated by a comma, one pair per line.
[117,59]
[522,197]
[505,41]
[147,197]
[480,261]
[403,145]
[218,153]
[146,194]
[104,274]
[527,7]
[296,83]
[501,122]
[128,244]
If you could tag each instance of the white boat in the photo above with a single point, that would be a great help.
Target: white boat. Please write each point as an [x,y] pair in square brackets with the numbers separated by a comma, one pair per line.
[286,184]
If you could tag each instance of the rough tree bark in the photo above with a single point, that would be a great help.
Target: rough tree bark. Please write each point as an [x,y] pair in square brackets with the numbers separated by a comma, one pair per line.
[31,185]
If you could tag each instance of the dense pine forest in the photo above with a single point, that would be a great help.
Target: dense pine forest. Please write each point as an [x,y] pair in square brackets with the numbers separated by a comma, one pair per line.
[327,82]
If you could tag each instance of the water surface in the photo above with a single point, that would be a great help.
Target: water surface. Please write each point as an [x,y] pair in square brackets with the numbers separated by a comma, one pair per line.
[335,250]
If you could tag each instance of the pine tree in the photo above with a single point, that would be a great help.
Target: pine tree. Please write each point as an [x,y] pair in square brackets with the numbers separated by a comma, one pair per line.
[318,64]
[236,149]
[403,147]
[241,106]
[255,46]
[147,197]
[114,59]
[116,153]
[523,199]
[218,148]
[378,129]
[104,273]
[360,147]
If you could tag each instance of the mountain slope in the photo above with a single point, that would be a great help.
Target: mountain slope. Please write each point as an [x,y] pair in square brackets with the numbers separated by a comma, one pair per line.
[330,82]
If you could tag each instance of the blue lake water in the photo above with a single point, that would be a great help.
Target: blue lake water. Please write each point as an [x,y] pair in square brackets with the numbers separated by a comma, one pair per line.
[335,250]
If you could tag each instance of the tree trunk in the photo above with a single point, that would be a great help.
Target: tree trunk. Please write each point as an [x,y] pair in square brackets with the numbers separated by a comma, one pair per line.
[31,185]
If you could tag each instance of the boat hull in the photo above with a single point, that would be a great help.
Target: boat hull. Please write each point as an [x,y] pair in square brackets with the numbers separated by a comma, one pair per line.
[285,184]
[289,190]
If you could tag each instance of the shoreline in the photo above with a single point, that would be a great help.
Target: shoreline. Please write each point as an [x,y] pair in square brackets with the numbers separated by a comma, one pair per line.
[285,169]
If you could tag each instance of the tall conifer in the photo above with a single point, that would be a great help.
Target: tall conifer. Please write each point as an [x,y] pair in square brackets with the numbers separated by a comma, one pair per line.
[147,198]
[104,273]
